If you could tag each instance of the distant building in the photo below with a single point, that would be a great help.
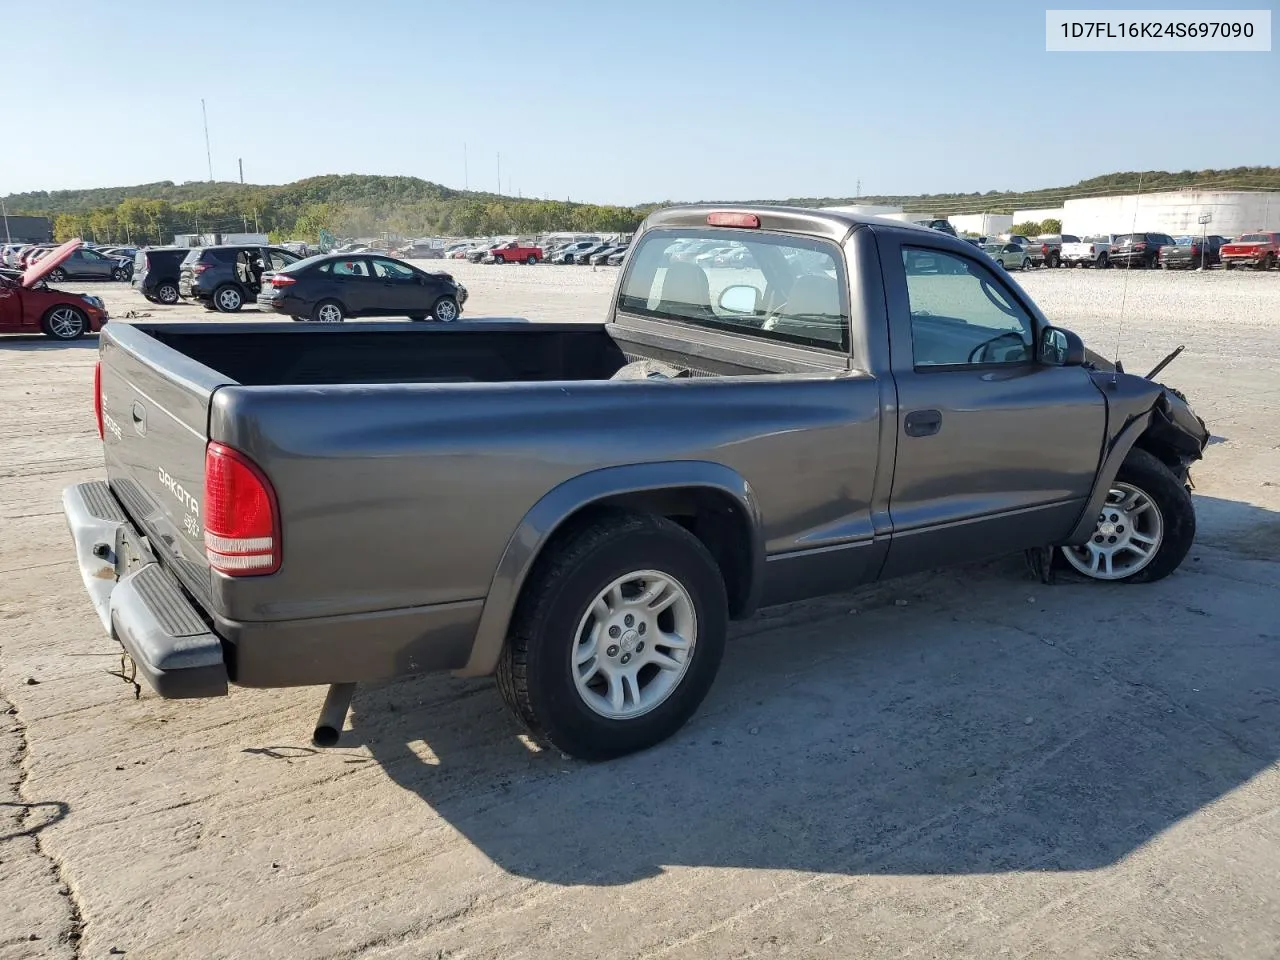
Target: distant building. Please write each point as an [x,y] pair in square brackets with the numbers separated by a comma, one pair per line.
[26,230]
[1176,212]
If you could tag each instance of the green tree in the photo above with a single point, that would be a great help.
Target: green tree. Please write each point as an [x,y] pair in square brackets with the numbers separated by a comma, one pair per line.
[1052,225]
[1028,228]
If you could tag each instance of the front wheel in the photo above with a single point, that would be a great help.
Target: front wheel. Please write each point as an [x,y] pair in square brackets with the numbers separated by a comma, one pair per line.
[617,637]
[1267,262]
[119,274]
[57,275]
[499,258]
[65,323]
[445,310]
[1145,527]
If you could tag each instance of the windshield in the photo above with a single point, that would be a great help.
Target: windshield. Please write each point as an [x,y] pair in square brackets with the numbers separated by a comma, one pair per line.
[786,288]
[1255,238]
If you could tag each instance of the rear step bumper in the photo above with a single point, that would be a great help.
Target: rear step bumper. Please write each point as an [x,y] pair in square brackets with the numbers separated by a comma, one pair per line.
[138,601]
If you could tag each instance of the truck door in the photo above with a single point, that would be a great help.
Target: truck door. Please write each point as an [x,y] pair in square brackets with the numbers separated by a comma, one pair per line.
[995,451]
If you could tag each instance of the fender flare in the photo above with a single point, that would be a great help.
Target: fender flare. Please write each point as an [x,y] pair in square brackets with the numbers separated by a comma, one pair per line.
[1119,449]
[547,515]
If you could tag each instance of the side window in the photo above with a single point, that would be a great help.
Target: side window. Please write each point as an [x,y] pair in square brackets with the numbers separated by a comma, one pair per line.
[280,260]
[961,314]
[390,270]
[350,268]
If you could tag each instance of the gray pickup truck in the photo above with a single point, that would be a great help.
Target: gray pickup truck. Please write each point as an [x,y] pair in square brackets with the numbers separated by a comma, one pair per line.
[581,508]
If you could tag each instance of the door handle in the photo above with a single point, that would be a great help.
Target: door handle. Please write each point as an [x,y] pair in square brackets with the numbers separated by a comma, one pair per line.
[922,423]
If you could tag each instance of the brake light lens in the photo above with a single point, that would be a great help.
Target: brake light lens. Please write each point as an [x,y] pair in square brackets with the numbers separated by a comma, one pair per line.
[200,268]
[282,280]
[1139,246]
[241,517]
[727,219]
[97,397]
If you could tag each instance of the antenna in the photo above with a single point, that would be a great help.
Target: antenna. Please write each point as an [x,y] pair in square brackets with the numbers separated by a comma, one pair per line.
[1124,296]
[208,155]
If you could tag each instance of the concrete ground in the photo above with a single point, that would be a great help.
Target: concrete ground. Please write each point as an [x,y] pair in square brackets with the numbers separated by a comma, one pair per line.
[967,763]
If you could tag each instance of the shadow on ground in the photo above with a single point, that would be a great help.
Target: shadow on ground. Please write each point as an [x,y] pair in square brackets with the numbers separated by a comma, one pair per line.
[989,724]
[39,343]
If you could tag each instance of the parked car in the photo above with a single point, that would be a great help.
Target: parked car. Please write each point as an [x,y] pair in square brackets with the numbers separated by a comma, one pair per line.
[1046,249]
[1191,253]
[516,251]
[568,253]
[1138,249]
[563,505]
[421,251]
[85,264]
[29,305]
[1089,252]
[602,258]
[224,278]
[939,224]
[1260,250]
[156,271]
[583,257]
[333,287]
[1008,255]
[616,259]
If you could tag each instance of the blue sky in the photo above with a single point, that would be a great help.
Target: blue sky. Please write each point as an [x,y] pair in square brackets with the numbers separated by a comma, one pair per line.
[614,102]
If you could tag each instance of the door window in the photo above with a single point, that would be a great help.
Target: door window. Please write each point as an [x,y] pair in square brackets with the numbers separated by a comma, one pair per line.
[279,259]
[961,314]
[350,268]
[390,270]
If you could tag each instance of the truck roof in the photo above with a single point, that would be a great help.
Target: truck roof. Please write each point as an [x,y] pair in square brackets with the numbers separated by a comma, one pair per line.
[830,224]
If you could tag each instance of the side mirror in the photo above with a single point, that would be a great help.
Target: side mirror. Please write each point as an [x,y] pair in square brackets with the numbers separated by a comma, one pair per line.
[742,299]
[1060,348]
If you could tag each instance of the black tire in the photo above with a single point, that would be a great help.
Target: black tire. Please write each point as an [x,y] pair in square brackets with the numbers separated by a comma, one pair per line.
[1026,264]
[228,298]
[1172,498]
[535,672]
[327,308]
[57,275]
[531,259]
[208,305]
[1228,265]
[1267,262]
[1103,262]
[166,293]
[65,322]
[417,317]
[120,274]
[149,298]
[499,258]
[447,305]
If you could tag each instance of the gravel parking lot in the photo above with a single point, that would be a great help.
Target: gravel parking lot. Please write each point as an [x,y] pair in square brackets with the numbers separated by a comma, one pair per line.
[966,763]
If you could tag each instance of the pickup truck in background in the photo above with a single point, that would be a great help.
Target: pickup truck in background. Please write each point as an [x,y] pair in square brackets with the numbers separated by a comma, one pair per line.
[580,509]
[1259,250]
[1046,249]
[1191,253]
[1138,249]
[1089,252]
[516,251]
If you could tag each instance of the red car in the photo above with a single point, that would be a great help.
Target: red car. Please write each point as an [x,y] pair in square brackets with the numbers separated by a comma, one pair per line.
[513,252]
[1259,250]
[28,306]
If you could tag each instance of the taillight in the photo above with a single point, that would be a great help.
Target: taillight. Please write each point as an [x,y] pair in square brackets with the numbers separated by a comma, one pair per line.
[1092,249]
[241,519]
[730,219]
[200,268]
[97,397]
[1139,246]
[282,280]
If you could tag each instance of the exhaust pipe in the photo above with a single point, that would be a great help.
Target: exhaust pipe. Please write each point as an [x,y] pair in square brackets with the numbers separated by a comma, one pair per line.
[333,715]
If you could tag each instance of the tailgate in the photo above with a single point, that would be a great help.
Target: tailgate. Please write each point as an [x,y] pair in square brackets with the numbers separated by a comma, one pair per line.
[155,406]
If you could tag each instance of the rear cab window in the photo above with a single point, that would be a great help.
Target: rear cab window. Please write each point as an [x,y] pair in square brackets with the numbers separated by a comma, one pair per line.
[779,287]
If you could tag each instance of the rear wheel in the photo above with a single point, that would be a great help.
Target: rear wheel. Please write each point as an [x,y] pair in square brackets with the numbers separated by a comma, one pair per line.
[57,275]
[166,293]
[227,299]
[531,259]
[445,310]
[65,323]
[120,274]
[1228,265]
[328,311]
[1026,263]
[617,637]
[1145,527]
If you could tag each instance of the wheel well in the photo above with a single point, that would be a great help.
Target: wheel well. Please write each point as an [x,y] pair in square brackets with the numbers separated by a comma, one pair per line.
[712,516]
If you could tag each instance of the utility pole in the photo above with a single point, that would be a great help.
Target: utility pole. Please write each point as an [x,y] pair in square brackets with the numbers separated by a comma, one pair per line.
[241,162]
[4,211]
[208,154]
[858,192]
